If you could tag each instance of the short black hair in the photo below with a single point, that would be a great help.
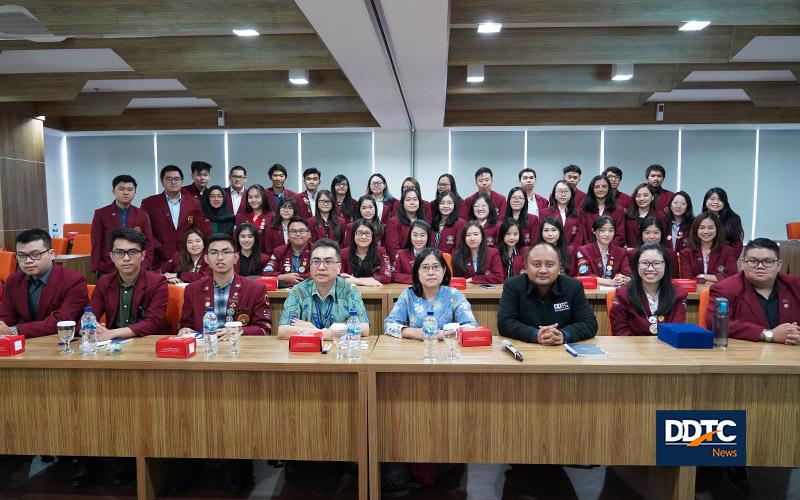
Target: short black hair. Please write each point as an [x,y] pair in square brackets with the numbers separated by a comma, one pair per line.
[123,178]
[572,168]
[239,167]
[526,170]
[35,234]
[221,237]
[602,221]
[170,168]
[483,170]
[326,243]
[657,168]
[416,285]
[297,218]
[613,170]
[277,167]
[199,166]
[312,170]
[128,234]
[762,243]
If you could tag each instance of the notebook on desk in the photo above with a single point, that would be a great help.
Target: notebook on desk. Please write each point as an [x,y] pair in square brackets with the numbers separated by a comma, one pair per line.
[585,350]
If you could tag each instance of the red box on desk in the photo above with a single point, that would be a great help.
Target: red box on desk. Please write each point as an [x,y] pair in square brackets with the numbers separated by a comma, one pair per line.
[474,336]
[270,282]
[11,345]
[688,285]
[458,283]
[588,282]
[306,343]
[176,347]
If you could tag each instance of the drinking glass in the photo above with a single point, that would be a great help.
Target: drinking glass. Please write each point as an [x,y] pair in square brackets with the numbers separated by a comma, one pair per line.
[66,332]
[233,330]
[450,334]
[338,333]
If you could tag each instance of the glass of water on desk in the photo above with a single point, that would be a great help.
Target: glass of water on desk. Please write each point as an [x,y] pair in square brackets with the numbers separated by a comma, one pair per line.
[233,330]
[338,333]
[450,333]
[66,332]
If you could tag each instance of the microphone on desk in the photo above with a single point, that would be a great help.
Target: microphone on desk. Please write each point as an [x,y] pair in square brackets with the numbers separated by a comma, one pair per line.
[508,346]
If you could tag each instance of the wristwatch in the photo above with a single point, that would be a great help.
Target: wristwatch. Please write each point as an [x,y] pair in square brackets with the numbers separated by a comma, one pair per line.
[767,335]
[14,330]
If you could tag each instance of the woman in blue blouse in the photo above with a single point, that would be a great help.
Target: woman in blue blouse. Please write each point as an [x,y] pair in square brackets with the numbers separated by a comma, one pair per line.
[429,291]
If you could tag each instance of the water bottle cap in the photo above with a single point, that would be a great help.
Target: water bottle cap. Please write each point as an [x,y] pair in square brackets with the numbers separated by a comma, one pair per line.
[353,313]
[723,306]
[430,313]
[87,309]
[209,309]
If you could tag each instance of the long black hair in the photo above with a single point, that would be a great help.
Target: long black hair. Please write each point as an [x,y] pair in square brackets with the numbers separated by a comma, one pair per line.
[647,222]
[666,294]
[372,262]
[590,204]
[337,232]
[401,209]
[277,220]
[522,220]
[491,220]
[255,255]
[462,256]
[387,196]
[348,204]
[570,203]
[416,284]
[265,208]
[561,244]
[376,219]
[731,222]
[507,224]
[633,210]
[688,216]
[437,216]
[420,223]
[453,188]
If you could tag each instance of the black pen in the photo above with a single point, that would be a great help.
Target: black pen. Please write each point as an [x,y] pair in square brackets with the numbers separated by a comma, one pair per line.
[326,348]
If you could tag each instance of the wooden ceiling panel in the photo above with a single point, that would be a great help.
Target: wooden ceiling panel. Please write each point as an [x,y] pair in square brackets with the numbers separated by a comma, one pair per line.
[40,87]
[624,11]
[266,84]
[786,94]
[98,104]
[546,101]
[293,105]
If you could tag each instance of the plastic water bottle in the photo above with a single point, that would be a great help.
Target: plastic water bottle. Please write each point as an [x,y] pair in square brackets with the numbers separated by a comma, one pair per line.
[720,327]
[88,332]
[429,330]
[209,332]
[353,337]
[54,231]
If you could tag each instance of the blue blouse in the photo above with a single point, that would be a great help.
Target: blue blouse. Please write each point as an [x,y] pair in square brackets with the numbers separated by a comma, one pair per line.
[449,306]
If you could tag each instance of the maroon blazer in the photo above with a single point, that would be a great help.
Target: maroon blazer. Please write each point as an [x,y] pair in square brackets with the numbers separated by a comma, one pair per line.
[272,238]
[349,231]
[672,255]
[632,228]
[491,233]
[579,196]
[104,221]
[493,269]
[280,262]
[747,318]
[192,191]
[286,192]
[517,264]
[529,234]
[384,272]
[588,218]
[340,211]
[200,271]
[242,205]
[320,231]
[164,232]
[403,267]
[389,210]
[682,238]
[149,302]
[448,236]
[623,201]
[62,299]
[541,201]
[262,222]
[573,229]
[304,208]
[247,298]
[663,199]
[396,235]
[499,204]
[625,320]
[721,264]
[588,262]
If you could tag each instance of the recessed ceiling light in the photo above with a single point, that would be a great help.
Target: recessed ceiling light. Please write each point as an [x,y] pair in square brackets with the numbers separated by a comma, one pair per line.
[245,32]
[475,73]
[298,76]
[621,72]
[489,27]
[40,118]
[694,25]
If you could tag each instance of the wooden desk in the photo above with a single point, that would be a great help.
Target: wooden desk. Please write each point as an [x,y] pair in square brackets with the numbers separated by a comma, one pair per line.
[266,403]
[79,263]
[553,408]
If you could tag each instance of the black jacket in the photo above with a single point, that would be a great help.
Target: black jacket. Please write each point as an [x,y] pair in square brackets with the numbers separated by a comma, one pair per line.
[522,311]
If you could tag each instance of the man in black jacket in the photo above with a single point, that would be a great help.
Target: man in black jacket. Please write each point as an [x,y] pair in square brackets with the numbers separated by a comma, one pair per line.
[542,306]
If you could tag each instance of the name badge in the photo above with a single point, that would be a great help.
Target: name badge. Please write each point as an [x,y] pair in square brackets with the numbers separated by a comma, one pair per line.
[561,306]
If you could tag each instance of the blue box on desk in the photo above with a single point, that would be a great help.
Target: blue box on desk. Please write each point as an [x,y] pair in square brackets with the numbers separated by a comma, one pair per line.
[685,336]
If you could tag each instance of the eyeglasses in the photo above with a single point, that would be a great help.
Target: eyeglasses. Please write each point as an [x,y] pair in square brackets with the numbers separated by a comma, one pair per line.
[225,253]
[446,203]
[612,176]
[363,233]
[131,253]
[754,263]
[656,264]
[297,232]
[34,256]
[434,268]
[327,262]
[376,183]
[562,191]
[238,177]
[342,185]
[323,201]
[173,180]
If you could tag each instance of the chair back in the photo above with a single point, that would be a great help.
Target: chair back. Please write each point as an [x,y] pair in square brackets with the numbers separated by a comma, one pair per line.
[609,304]
[174,306]
[82,245]
[449,260]
[702,308]
[793,230]
[80,228]
[60,245]
[8,264]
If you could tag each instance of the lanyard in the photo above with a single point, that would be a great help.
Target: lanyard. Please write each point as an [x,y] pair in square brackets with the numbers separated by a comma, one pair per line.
[323,320]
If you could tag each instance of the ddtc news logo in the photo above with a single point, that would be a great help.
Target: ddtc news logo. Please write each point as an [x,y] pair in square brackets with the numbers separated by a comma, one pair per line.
[702,437]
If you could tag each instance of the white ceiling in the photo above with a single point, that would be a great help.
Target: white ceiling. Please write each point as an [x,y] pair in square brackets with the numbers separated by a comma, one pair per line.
[61,61]
[700,95]
[782,75]
[770,49]
[133,85]
[171,102]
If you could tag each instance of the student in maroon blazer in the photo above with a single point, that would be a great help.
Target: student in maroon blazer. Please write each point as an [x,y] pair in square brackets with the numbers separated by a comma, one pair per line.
[483,180]
[419,237]
[278,191]
[527,181]
[147,313]
[291,263]
[237,178]
[562,207]
[251,260]
[367,208]
[398,227]
[158,209]
[550,231]
[256,211]
[483,212]
[716,202]
[572,174]
[598,202]
[188,264]
[326,224]
[644,205]
[306,200]
[678,221]
[763,303]
[517,209]
[474,260]
[652,232]
[276,234]
[614,269]
[512,251]
[345,204]
[63,292]
[446,224]
[655,175]
[614,176]
[385,202]
[364,263]
[650,298]
[707,258]
[111,217]
[201,175]
[412,183]
[247,299]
